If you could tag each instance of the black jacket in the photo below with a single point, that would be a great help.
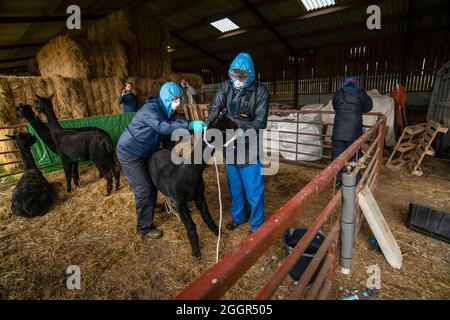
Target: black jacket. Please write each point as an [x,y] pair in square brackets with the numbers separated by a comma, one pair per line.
[129,101]
[350,103]
[255,117]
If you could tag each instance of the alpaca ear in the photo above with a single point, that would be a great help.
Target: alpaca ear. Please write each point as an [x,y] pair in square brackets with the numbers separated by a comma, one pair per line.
[39,97]
[11,137]
[51,97]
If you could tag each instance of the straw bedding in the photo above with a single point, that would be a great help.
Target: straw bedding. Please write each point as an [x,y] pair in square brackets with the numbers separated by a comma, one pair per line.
[97,233]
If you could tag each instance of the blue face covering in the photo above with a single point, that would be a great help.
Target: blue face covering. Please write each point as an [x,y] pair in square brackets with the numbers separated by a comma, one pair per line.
[168,91]
[243,62]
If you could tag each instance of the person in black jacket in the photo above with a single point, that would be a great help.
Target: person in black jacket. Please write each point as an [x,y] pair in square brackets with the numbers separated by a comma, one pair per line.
[128,99]
[350,102]
[247,102]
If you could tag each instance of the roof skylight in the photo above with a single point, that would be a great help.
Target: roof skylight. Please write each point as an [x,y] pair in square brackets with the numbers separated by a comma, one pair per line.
[224,25]
[317,4]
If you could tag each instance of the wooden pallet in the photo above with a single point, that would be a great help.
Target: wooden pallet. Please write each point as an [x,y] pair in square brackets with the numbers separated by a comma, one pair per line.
[414,145]
[196,112]
[423,147]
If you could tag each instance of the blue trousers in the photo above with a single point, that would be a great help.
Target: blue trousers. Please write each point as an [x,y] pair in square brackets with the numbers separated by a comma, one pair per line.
[246,182]
[137,173]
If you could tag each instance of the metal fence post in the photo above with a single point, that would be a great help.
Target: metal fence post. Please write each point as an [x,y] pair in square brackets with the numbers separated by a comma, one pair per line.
[347,220]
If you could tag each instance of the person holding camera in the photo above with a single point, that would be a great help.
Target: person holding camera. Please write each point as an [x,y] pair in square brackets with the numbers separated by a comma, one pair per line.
[188,91]
[128,99]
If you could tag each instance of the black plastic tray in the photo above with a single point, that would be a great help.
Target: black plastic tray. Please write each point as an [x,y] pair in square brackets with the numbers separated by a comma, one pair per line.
[429,221]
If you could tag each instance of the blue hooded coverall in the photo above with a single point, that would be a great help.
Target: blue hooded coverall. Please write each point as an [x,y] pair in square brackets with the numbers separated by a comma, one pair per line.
[245,181]
[152,125]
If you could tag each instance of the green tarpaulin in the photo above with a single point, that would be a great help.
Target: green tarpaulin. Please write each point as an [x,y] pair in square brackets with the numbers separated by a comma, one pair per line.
[113,124]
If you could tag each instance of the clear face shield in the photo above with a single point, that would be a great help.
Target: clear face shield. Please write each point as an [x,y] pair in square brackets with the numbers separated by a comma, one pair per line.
[239,78]
[176,102]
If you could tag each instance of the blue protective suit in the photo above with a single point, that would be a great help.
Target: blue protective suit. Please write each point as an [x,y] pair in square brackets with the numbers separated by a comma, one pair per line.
[245,182]
[152,124]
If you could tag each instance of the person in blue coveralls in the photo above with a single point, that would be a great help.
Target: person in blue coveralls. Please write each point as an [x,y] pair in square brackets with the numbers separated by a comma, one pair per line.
[349,103]
[247,102]
[151,127]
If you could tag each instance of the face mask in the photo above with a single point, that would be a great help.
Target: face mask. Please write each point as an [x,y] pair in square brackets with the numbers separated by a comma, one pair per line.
[175,104]
[238,84]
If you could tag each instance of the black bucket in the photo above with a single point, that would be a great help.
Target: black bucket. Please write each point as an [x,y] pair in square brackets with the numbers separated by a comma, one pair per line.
[290,239]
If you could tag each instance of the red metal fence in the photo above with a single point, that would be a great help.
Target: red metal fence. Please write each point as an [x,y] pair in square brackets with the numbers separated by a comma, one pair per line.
[217,280]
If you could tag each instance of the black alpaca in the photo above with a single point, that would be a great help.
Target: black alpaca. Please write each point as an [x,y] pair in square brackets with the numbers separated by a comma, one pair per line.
[77,145]
[26,112]
[33,195]
[184,183]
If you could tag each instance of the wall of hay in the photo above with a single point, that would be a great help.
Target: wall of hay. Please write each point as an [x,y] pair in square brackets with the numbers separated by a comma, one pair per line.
[87,74]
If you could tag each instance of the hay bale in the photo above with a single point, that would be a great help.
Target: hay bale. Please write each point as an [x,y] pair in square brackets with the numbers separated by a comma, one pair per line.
[105,58]
[133,27]
[149,63]
[194,79]
[63,56]
[33,67]
[69,100]
[78,58]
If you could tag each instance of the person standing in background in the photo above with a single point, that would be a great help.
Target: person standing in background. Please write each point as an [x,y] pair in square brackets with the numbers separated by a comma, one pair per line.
[128,99]
[350,102]
[188,91]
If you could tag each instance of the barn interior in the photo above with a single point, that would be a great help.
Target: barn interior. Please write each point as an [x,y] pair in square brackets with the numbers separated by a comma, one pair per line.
[302,51]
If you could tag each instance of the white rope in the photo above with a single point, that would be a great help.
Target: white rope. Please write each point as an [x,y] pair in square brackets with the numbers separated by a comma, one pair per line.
[219,191]
[171,207]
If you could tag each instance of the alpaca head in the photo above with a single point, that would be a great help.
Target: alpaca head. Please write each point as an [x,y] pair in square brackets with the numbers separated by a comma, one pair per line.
[24,139]
[222,122]
[43,104]
[25,111]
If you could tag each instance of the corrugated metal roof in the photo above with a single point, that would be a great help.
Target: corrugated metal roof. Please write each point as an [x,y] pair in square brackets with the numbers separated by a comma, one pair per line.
[191,19]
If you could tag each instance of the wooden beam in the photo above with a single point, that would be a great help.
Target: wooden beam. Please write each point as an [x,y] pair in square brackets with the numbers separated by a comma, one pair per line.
[21,45]
[43,19]
[15,59]
[186,5]
[269,25]
[199,48]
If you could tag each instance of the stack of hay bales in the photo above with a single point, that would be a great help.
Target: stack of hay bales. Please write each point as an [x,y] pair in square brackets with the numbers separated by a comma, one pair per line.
[87,74]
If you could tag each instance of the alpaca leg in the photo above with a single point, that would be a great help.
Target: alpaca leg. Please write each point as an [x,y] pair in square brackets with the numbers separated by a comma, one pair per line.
[116,172]
[107,174]
[76,177]
[67,165]
[190,228]
[202,206]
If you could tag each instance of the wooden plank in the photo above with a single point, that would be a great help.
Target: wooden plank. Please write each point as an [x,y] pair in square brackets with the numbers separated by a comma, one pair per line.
[380,228]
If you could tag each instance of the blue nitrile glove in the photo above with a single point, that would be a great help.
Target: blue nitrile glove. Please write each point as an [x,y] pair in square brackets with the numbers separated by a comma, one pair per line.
[197,126]
[240,133]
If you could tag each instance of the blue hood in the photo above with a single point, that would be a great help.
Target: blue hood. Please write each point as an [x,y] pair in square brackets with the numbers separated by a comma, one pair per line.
[166,94]
[244,61]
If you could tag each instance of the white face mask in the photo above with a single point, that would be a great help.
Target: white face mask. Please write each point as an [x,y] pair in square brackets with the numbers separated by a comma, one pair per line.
[175,104]
[238,84]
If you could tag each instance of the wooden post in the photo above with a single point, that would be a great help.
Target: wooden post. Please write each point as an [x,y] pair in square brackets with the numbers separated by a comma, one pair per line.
[296,67]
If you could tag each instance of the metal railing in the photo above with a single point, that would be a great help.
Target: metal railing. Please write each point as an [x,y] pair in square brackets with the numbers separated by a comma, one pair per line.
[218,279]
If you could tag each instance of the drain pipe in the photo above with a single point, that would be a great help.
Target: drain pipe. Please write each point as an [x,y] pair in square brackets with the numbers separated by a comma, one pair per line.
[347,219]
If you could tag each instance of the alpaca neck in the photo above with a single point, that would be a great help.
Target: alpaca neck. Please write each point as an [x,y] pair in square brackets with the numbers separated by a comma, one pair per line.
[27,157]
[53,123]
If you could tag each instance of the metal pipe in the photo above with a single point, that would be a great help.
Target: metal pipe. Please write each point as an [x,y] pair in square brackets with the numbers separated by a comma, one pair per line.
[347,220]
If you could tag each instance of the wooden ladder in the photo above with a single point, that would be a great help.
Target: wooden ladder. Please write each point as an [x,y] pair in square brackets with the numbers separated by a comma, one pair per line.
[423,147]
[414,145]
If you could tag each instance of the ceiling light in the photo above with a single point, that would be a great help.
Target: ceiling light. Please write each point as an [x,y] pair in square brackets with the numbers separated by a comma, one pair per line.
[224,25]
[317,4]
